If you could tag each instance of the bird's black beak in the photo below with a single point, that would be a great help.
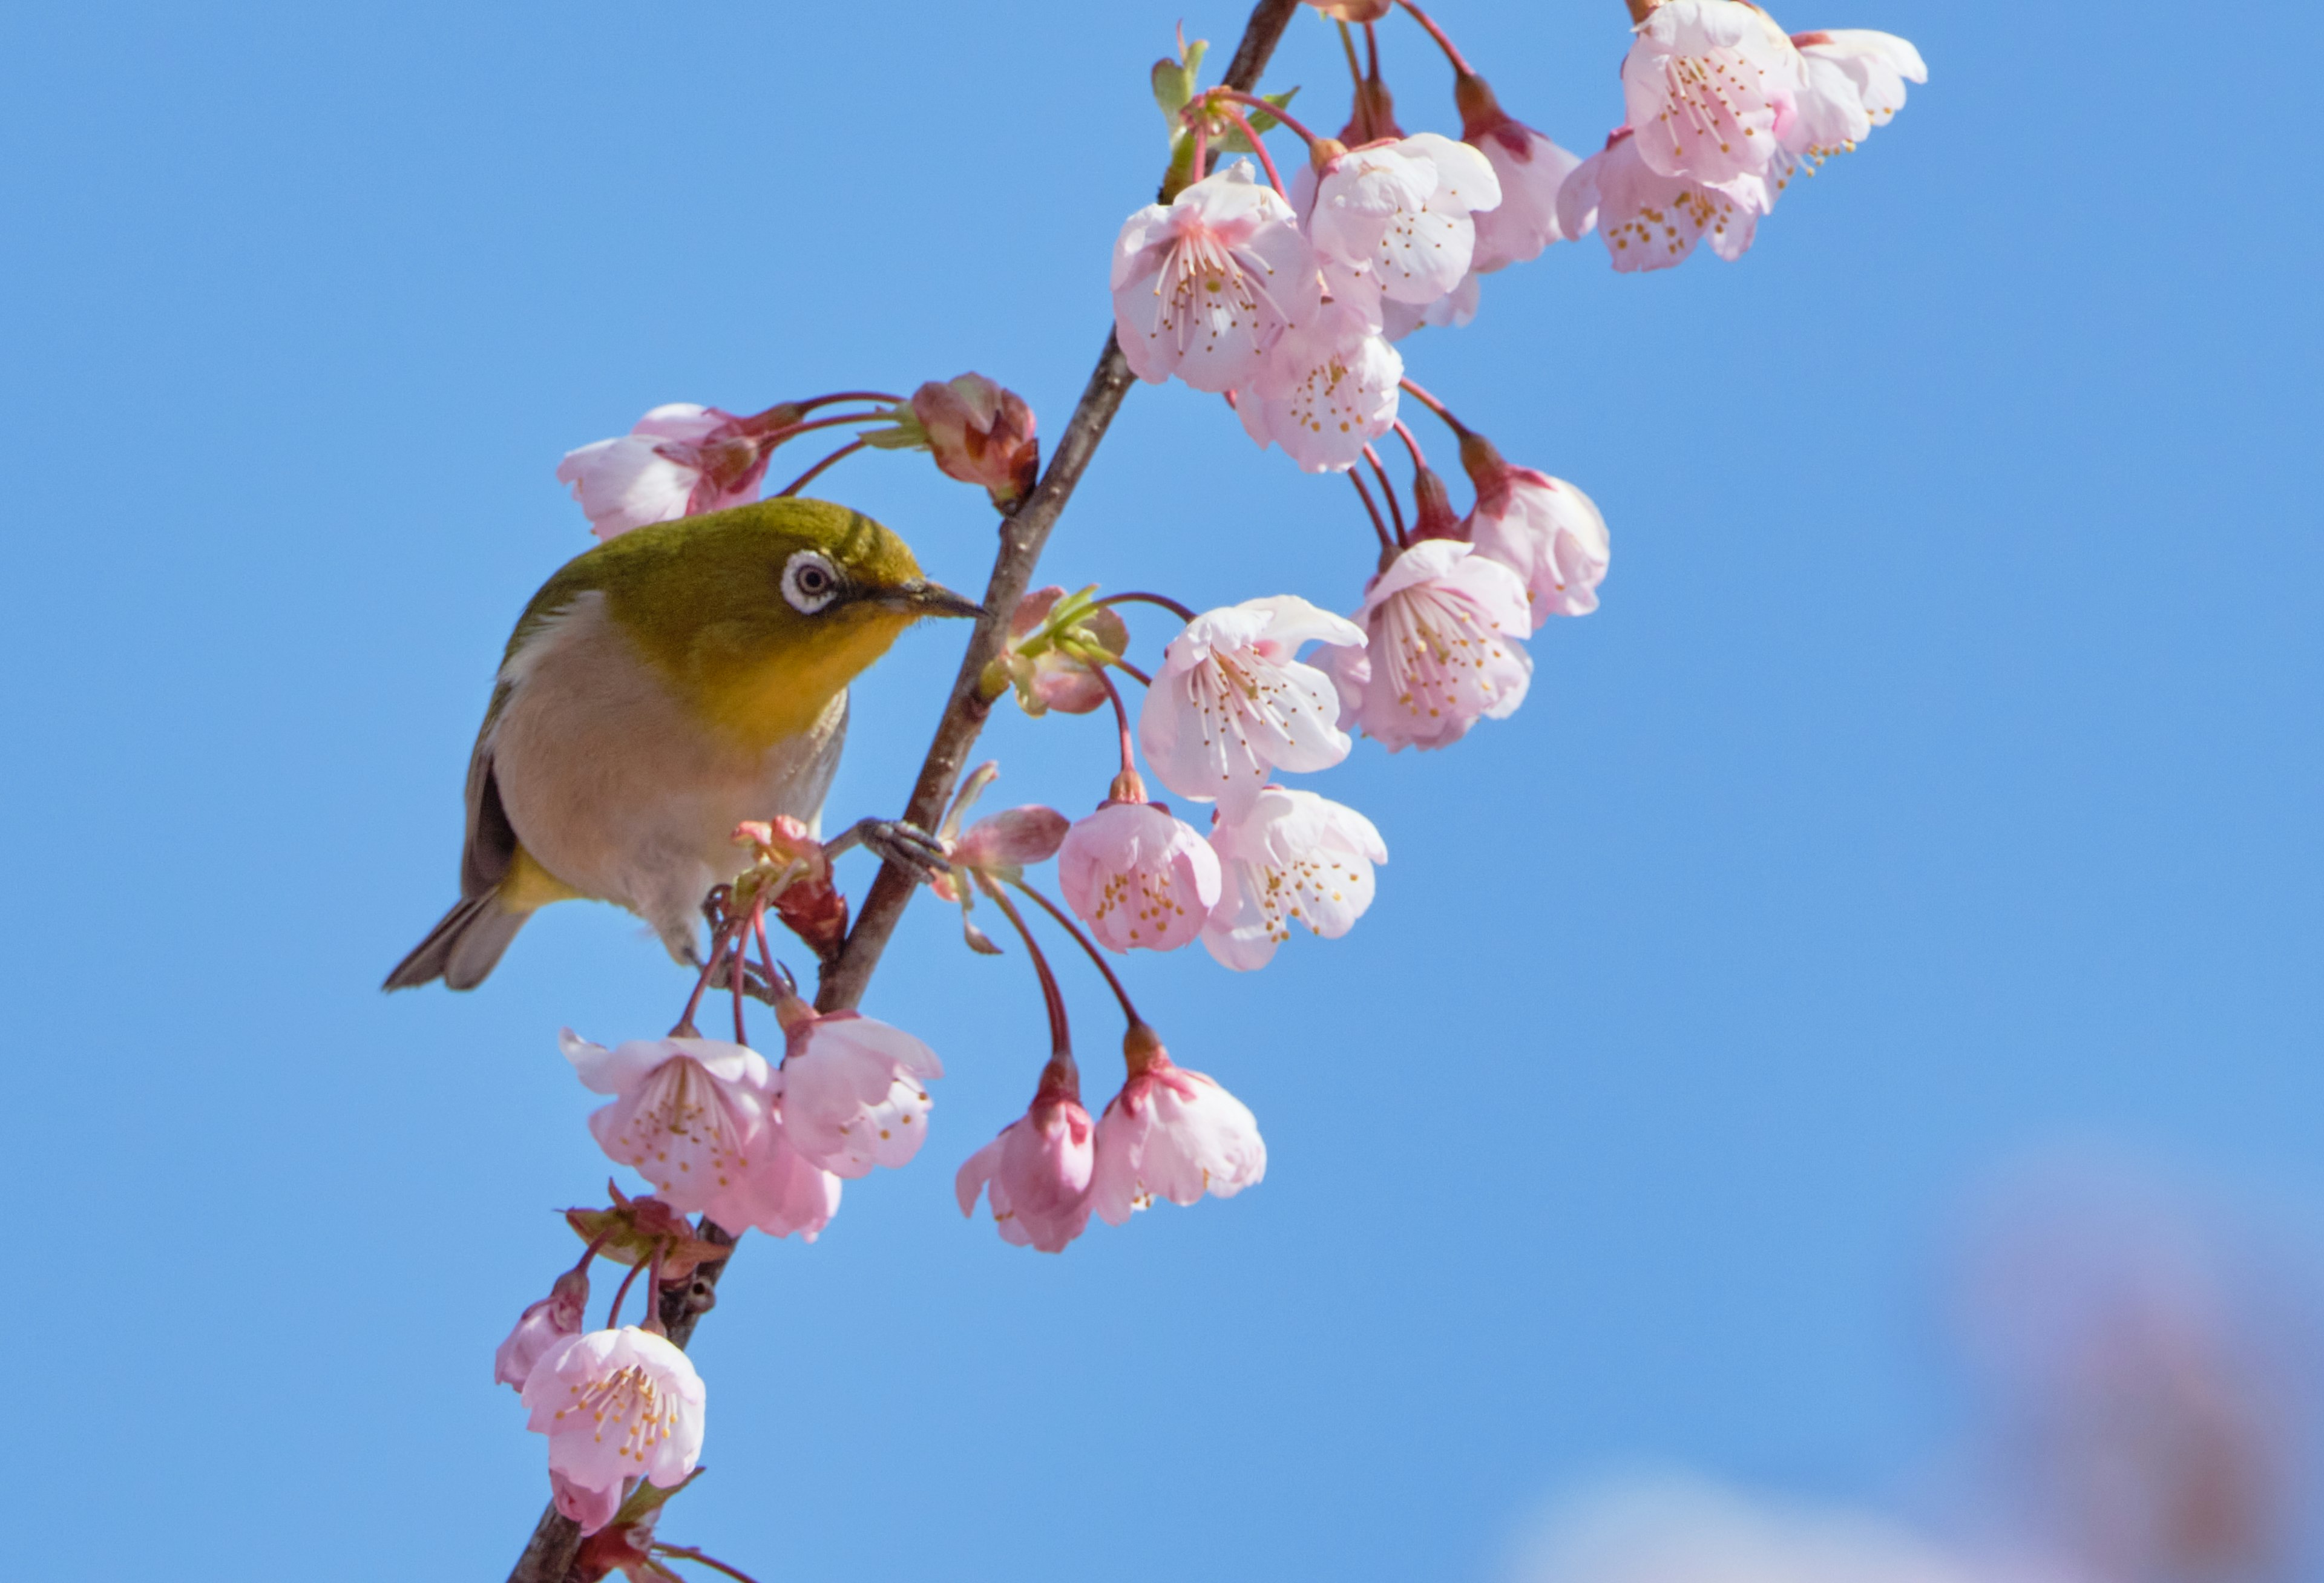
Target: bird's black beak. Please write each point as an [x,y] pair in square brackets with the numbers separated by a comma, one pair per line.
[923,598]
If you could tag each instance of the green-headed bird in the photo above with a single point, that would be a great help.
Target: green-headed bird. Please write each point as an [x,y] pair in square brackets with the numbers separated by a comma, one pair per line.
[658,690]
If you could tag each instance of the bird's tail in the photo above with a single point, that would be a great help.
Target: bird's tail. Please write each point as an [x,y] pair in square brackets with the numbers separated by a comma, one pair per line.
[462,948]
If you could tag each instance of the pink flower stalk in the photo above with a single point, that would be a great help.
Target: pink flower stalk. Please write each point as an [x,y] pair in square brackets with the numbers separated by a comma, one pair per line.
[1704,84]
[1170,1134]
[689,1115]
[1397,217]
[1293,855]
[1652,222]
[681,460]
[1325,390]
[1035,1175]
[1206,284]
[854,1089]
[1139,877]
[1354,11]
[541,1326]
[1230,703]
[1852,79]
[981,433]
[615,1404]
[1543,529]
[1530,169]
[1441,651]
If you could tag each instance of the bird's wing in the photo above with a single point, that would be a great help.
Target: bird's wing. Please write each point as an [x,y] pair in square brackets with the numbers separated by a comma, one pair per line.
[491,844]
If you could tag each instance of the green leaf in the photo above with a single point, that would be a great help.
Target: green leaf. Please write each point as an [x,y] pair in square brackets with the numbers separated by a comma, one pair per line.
[1233,141]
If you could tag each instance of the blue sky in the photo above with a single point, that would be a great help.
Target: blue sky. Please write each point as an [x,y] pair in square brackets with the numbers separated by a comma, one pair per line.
[1939,778]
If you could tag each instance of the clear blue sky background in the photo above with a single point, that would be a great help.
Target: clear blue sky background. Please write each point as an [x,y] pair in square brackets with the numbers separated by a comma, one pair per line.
[1940,776]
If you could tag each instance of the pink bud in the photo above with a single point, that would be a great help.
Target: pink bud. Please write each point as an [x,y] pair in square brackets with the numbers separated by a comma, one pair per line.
[1035,1175]
[1053,680]
[981,433]
[541,1326]
[1012,838]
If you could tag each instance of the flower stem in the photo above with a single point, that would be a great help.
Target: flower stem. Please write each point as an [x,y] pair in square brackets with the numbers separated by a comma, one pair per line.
[1258,147]
[841,454]
[837,420]
[1163,600]
[1443,43]
[1437,407]
[613,1315]
[1395,508]
[1089,946]
[1120,717]
[1355,71]
[1412,443]
[1061,1039]
[686,1028]
[1143,679]
[1387,544]
[1230,96]
[686,1552]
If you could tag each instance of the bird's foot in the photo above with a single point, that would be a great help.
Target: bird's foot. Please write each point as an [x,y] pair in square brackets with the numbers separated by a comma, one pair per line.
[895,840]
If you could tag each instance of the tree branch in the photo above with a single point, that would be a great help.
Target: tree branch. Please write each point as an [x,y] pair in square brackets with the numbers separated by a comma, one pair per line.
[1024,532]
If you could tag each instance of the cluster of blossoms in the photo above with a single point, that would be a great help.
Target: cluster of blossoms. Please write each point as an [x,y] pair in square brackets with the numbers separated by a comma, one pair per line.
[1290,301]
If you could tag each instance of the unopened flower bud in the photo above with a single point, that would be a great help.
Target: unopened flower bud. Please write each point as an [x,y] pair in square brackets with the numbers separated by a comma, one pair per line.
[541,1326]
[981,433]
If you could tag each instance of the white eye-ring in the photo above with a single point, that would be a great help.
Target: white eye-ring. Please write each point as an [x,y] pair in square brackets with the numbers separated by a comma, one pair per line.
[809,581]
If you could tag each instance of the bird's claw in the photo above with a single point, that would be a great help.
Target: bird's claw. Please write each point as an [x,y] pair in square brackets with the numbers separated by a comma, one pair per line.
[898,842]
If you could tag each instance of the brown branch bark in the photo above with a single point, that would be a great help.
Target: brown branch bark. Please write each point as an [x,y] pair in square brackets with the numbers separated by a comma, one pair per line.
[548,1557]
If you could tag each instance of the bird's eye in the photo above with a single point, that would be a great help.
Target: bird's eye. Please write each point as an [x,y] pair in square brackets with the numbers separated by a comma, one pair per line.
[809,581]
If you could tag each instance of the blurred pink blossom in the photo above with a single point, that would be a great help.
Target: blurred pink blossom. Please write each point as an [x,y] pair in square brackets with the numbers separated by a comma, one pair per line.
[681,460]
[1852,79]
[615,1404]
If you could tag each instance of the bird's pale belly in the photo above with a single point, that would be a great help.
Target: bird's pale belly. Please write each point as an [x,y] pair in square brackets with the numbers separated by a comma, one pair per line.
[618,791]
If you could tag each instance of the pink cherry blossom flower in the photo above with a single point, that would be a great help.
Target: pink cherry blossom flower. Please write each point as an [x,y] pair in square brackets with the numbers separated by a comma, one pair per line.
[1170,1134]
[1205,284]
[1441,651]
[1325,390]
[1528,166]
[681,460]
[1230,703]
[541,1326]
[1455,309]
[782,1192]
[1704,83]
[981,433]
[1543,529]
[1293,855]
[615,1404]
[854,1089]
[1035,1175]
[1400,214]
[1652,222]
[692,1116]
[1139,877]
[1852,79]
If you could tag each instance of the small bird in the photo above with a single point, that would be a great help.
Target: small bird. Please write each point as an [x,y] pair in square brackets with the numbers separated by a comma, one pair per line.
[658,690]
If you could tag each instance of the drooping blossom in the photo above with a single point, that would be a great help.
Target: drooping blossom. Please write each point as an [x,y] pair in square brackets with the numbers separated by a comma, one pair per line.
[1530,170]
[1543,529]
[1293,855]
[1170,1134]
[541,1326]
[1231,704]
[681,460]
[1455,309]
[615,1404]
[1398,216]
[980,432]
[1035,1175]
[1704,86]
[783,1193]
[1138,876]
[1851,80]
[854,1089]
[1441,651]
[1325,390]
[689,1115]
[1652,222]
[1206,283]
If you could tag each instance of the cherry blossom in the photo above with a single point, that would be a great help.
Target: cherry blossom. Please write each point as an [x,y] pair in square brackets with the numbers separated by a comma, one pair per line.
[1543,529]
[1704,84]
[854,1089]
[615,1404]
[1325,390]
[689,1115]
[1441,651]
[1652,222]
[541,1326]
[681,460]
[1852,79]
[1139,877]
[1455,309]
[783,1193]
[1230,703]
[1205,284]
[1399,214]
[1293,855]
[981,433]
[1172,1133]
[1530,170]
[1035,1175]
